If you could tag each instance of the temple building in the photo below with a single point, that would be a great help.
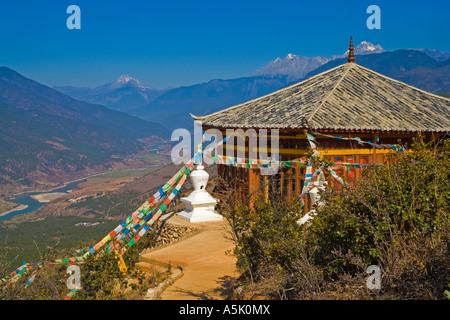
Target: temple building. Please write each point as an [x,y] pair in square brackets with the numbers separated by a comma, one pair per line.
[348,101]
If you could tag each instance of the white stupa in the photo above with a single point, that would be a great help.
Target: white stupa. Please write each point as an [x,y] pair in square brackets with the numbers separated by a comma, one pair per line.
[199,204]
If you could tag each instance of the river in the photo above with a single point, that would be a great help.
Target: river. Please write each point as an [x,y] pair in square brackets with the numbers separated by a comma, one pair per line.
[25,199]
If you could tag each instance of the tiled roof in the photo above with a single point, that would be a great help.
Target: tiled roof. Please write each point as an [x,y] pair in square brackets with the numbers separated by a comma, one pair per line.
[348,97]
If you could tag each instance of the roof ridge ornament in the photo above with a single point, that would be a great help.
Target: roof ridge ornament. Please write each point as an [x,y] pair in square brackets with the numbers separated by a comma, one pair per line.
[351,54]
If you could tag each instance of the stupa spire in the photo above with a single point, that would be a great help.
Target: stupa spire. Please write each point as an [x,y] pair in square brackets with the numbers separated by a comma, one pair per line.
[351,54]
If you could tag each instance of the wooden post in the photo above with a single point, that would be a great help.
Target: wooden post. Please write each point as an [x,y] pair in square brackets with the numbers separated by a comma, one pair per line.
[358,170]
[233,173]
[253,185]
[374,156]
[307,203]
[220,170]
[298,191]
[289,184]
[266,189]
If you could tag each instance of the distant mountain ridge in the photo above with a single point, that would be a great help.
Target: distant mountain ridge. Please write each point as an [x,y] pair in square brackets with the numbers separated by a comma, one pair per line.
[173,108]
[435,54]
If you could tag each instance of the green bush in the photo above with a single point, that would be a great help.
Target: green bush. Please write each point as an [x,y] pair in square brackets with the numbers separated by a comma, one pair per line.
[267,236]
[395,205]
[396,216]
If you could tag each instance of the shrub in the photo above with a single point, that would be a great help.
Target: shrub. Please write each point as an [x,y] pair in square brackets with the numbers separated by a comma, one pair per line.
[396,216]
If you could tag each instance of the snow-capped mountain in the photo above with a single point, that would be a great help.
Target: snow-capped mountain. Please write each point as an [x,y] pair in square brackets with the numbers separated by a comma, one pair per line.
[124,94]
[367,48]
[126,81]
[363,48]
[295,67]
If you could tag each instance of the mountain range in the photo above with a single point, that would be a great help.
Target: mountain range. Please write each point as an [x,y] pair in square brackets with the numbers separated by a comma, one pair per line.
[48,137]
[423,68]
[174,107]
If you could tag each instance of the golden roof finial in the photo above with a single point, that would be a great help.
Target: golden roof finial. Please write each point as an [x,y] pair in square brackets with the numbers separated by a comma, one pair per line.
[351,54]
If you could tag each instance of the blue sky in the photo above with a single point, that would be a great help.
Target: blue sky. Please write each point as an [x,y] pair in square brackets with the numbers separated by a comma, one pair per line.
[173,43]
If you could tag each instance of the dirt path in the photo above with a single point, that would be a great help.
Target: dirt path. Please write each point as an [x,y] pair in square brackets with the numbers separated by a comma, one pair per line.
[208,270]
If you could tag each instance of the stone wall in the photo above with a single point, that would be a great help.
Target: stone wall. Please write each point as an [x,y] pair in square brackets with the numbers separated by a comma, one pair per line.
[169,233]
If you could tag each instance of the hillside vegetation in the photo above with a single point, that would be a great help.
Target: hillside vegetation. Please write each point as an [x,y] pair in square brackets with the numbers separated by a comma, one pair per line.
[101,276]
[29,240]
[48,138]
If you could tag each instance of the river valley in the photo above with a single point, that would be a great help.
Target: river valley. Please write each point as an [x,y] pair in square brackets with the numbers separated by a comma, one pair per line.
[30,201]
